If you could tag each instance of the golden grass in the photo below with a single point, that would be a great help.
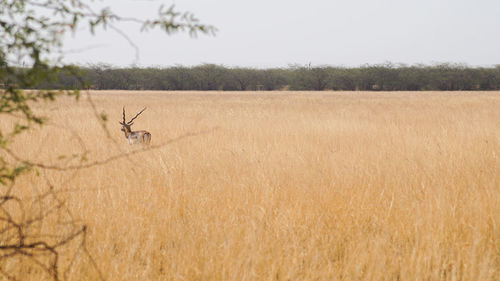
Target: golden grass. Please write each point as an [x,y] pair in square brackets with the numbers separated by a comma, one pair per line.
[281,185]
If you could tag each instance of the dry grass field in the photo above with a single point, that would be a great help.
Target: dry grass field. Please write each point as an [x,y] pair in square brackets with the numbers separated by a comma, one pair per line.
[275,186]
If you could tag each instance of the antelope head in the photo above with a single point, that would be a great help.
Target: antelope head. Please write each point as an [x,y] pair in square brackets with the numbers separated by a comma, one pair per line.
[126,125]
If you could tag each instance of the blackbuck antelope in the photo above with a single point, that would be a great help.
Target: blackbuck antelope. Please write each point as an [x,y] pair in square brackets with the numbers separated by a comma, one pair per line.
[134,137]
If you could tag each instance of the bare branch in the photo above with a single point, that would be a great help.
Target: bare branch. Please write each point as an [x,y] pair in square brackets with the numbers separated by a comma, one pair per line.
[109,159]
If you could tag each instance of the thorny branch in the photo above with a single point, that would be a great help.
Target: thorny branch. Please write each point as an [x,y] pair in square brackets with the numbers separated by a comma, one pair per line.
[109,159]
[18,231]
[21,236]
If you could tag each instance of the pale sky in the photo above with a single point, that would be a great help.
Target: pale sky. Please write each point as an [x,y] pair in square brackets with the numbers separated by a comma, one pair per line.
[277,33]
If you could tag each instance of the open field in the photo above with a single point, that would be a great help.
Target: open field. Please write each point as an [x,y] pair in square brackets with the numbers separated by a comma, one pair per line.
[276,186]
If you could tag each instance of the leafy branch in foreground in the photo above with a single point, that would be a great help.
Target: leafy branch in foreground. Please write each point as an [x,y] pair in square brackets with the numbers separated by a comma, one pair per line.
[31,42]
[32,32]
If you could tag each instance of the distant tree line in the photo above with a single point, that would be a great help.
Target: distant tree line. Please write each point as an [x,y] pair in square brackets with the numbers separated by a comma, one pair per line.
[381,77]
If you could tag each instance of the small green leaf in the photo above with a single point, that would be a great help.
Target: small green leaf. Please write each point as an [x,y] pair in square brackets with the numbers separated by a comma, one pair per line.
[103,116]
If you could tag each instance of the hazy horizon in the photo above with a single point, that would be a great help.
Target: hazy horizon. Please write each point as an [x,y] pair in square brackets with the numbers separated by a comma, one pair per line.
[280,33]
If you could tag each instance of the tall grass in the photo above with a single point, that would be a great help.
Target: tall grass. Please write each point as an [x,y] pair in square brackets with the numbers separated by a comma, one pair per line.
[280,186]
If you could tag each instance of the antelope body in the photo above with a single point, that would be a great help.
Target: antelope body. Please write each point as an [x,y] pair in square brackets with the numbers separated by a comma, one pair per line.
[134,137]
